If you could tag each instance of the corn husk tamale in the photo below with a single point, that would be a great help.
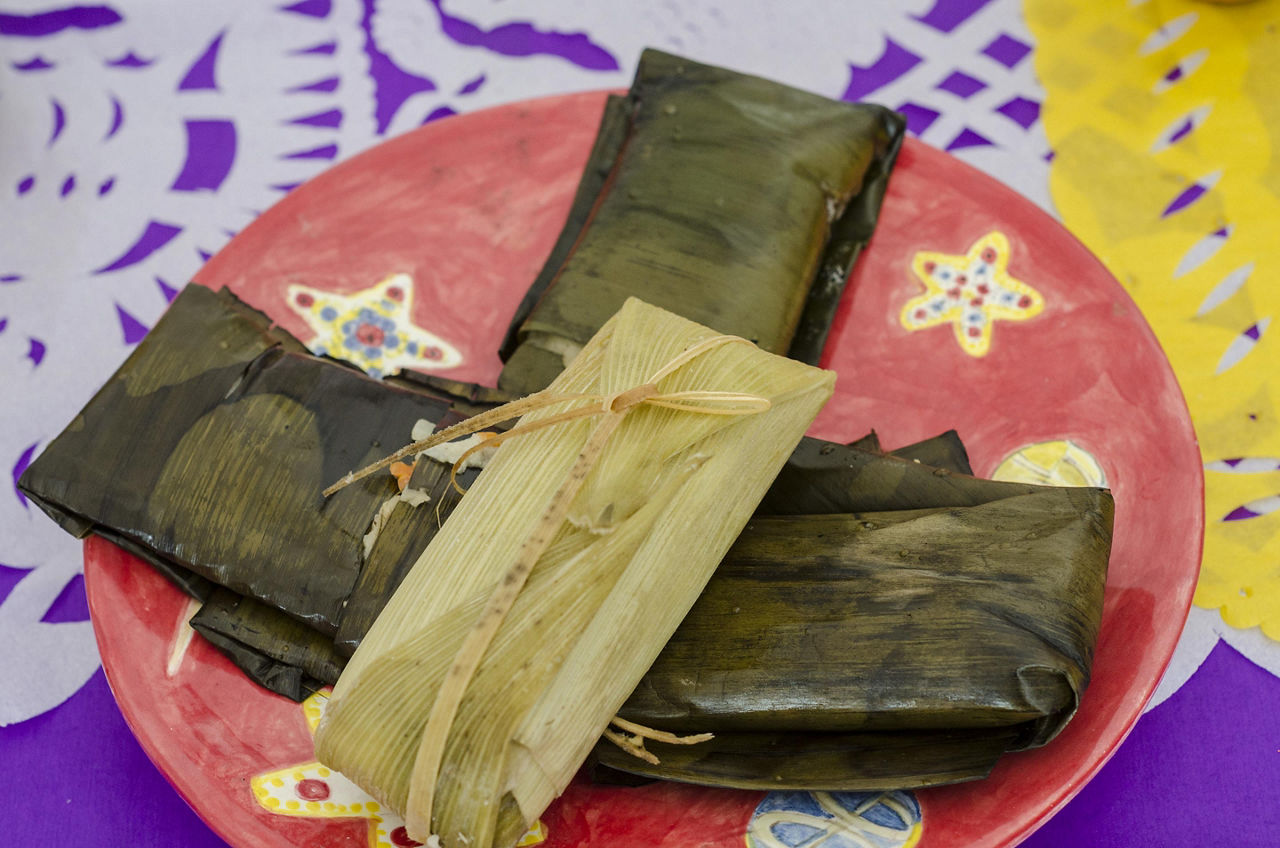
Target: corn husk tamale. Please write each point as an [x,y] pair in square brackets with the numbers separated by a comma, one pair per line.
[820,632]
[619,565]
[732,200]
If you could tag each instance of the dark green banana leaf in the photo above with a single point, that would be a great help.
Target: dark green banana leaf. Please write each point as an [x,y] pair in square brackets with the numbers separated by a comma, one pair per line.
[977,623]
[731,200]
[209,447]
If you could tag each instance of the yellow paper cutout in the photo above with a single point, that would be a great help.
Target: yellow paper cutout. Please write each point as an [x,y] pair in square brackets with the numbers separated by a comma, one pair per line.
[1163,138]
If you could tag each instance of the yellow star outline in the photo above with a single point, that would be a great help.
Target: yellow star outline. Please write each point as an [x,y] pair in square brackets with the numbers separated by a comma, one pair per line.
[310,790]
[372,328]
[970,292]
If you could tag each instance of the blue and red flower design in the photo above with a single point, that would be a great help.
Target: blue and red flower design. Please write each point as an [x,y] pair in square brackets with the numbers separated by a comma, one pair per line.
[372,328]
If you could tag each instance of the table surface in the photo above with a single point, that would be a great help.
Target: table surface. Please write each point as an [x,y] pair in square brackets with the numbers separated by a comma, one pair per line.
[137,141]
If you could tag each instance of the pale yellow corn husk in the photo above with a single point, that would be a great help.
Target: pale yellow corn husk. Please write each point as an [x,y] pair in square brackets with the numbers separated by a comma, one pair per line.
[665,499]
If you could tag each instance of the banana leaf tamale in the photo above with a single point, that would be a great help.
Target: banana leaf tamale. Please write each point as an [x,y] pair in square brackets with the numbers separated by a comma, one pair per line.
[538,606]
[734,201]
[208,448]
[977,622]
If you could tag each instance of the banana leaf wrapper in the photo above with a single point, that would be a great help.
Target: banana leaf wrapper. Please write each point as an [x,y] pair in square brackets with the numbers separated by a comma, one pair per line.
[207,451]
[891,649]
[824,478]
[734,201]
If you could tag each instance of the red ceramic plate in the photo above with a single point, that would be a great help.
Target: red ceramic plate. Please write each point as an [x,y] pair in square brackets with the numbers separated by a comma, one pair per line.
[1057,374]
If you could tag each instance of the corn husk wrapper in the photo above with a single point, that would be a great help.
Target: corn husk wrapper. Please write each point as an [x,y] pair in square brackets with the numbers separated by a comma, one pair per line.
[652,519]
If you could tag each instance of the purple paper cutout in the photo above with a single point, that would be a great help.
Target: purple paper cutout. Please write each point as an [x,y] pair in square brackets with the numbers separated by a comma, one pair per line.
[946,15]
[285,187]
[134,330]
[961,84]
[1174,74]
[331,119]
[523,39]
[54,21]
[117,118]
[107,184]
[10,278]
[117,797]
[1254,332]
[1185,198]
[919,118]
[167,290]
[473,85]
[438,113]
[967,138]
[392,85]
[328,151]
[204,255]
[35,350]
[310,8]
[328,48]
[10,577]
[59,121]
[131,60]
[71,604]
[200,76]
[1201,769]
[4,322]
[156,235]
[211,151]
[1021,111]
[1007,50]
[68,185]
[26,184]
[36,64]
[20,466]
[325,86]
[894,61]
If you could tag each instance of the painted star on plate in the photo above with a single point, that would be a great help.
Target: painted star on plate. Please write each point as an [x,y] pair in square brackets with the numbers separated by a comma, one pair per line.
[372,328]
[970,292]
[310,790]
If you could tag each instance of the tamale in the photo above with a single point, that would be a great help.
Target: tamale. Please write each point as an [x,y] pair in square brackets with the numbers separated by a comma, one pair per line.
[922,619]
[734,201]
[207,450]
[573,572]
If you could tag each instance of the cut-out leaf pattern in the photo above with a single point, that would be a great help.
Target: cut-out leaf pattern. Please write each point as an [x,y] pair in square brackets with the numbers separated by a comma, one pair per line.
[1181,128]
[1245,465]
[1185,68]
[1202,251]
[1254,509]
[1168,33]
[1192,193]
[1222,291]
[1242,345]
